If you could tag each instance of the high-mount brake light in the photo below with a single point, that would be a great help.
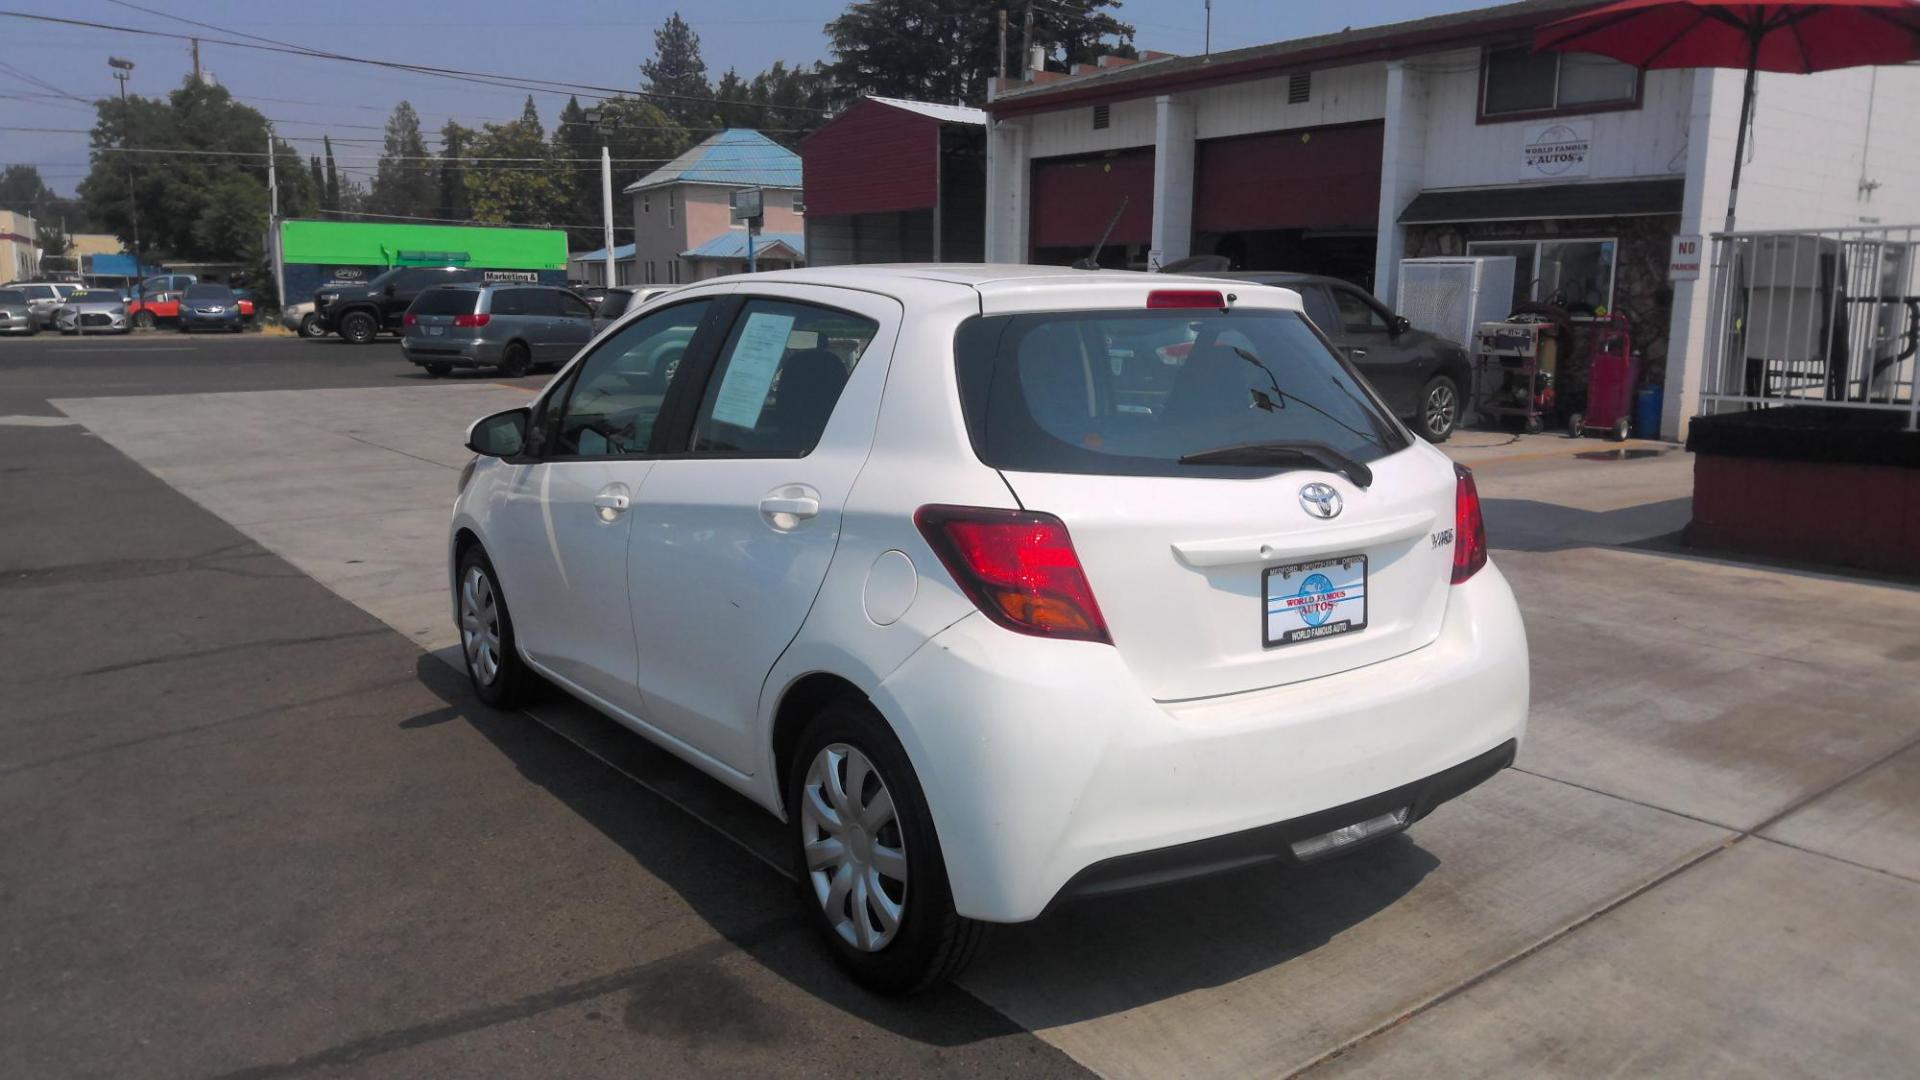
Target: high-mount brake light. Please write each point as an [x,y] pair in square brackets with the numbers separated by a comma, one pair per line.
[1018,567]
[472,320]
[1187,299]
[1469,528]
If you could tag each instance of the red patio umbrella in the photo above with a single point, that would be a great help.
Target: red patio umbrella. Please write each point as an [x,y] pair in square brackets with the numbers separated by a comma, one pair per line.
[1797,38]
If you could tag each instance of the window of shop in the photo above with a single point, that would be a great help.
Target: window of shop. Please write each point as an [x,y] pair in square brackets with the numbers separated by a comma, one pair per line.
[1516,81]
[1573,274]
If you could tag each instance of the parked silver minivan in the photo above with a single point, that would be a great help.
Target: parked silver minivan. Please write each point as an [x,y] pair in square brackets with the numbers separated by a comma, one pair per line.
[514,328]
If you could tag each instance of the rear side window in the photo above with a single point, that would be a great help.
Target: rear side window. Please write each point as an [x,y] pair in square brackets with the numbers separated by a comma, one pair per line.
[445,302]
[1130,393]
[12,296]
[544,302]
[38,292]
[778,379]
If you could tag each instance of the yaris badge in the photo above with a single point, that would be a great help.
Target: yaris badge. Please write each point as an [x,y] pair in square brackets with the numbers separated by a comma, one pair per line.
[1320,500]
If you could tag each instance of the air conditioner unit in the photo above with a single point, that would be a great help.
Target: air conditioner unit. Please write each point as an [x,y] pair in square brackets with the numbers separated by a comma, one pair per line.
[1452,295]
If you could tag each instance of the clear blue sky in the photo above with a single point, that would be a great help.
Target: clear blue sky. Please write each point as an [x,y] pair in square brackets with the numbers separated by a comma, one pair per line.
[591,41]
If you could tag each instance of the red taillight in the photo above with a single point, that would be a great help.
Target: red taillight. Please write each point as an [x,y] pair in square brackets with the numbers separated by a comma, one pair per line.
[1469,529]
[472,320]
[410,319]
[1019,568]
[1186,298]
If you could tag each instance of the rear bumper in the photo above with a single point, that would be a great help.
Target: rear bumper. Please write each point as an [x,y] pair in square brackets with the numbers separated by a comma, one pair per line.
[1050,771]
[424,351]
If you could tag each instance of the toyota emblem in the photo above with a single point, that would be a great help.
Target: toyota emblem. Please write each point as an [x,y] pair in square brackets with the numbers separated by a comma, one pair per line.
[1320,500]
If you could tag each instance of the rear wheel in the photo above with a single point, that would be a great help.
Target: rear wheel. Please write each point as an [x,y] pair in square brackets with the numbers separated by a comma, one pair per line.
[358,328]
[499,676]
[1439,409]
[513,362]
[872,878]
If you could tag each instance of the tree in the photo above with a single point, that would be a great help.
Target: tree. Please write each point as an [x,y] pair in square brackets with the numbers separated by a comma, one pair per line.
[454,204]
[204,197]
[678,76]
[640,138]
[512,179]
[23,190]
[944,50]
[319,179]
[403,183]
[331,198]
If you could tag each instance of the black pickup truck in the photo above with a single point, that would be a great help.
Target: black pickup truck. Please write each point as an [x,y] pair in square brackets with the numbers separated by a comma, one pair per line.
[360,313]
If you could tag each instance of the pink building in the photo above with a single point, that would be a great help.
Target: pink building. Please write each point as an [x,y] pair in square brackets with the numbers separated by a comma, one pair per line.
[682,212]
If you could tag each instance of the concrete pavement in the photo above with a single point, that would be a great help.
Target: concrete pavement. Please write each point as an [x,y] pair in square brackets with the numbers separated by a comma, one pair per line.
[1704,862]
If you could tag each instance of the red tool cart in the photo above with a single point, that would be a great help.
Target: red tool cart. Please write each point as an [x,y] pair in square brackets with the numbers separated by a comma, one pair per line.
[1613,371]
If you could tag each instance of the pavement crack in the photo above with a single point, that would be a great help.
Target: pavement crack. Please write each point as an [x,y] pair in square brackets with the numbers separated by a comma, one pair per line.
[197,654]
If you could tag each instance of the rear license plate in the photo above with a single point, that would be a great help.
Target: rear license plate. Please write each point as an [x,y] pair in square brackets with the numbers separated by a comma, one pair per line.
[436,331]
[1312,600]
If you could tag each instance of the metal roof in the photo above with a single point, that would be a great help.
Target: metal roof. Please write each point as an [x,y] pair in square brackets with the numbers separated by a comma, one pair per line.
[736,157]
[623,251]
[1349,46]
[732,244]
[946,114]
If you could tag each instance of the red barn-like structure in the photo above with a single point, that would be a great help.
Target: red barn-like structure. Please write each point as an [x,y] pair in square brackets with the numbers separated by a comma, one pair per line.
[890,180]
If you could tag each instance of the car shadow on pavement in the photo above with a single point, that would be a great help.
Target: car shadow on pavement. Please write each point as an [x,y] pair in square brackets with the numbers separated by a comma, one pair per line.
[1080,960]
[1533,525]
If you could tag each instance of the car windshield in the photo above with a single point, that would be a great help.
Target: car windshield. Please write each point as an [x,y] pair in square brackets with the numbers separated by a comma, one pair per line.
[209,292]
[94,296]
[1135,393]
[445,301]
[379,281]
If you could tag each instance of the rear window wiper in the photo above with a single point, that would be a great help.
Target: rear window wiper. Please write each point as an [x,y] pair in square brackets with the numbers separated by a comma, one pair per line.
[1283,453]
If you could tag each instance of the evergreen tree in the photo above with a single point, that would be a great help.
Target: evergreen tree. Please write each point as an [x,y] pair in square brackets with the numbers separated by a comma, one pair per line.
[331,197]
[319,179]
[640,138]
[678,76]
[454,203]
[403,183]
[944,50]
[520,186]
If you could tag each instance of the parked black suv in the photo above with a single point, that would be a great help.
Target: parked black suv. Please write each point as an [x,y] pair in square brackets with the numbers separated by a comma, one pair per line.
[359,313]
[1423,377]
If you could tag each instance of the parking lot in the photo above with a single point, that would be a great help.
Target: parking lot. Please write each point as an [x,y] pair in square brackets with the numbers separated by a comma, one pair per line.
[254,823]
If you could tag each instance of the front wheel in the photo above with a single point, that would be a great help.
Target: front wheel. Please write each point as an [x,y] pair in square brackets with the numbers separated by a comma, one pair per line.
[143,320]
[1439,409]
[499,676]
[358,328]
[310,327]
[872,878]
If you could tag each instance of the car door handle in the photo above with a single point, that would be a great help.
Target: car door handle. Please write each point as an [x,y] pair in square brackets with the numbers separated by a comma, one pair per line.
[803,506]
[1357,353]
[616,501]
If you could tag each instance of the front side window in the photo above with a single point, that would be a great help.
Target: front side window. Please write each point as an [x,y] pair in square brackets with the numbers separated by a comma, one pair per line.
[1574,274]
[1132,393]
[615,395]
[1356,314]
[1518,81]
[572,306]
[778,378]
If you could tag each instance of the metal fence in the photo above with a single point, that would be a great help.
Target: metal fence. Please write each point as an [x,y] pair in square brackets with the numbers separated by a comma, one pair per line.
[1828,316]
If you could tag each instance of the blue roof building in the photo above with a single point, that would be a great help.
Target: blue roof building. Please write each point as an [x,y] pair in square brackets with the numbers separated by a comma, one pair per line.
[682,212]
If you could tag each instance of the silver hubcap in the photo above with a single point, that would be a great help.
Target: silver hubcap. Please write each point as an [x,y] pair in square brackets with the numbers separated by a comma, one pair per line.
[1440,408]
[856,854]
[480,625]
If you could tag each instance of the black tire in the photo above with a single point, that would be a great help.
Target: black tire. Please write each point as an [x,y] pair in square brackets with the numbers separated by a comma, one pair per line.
[1439,411]
[933,943]
[1534,425]
[514,361]
[511,679]
[1577,426]
[310,326]
[358,328]
[143,320]
[438,370]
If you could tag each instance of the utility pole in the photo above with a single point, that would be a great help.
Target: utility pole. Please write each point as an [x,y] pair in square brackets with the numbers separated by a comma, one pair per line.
[1026,44]
[122,69]
[1003,46]
[273,221]
[1206,46]
[604,124]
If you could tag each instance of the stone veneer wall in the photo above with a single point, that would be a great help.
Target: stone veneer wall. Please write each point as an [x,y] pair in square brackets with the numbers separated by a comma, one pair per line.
[1640,288]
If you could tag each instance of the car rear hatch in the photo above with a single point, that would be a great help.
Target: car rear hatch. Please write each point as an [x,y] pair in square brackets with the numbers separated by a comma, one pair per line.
[1245,512]
[443,316]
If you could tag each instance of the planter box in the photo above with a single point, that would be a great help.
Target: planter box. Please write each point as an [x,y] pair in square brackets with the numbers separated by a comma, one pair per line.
[1821,485]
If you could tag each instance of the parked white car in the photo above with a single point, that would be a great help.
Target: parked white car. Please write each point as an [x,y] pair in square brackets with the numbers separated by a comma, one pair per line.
[1000,585]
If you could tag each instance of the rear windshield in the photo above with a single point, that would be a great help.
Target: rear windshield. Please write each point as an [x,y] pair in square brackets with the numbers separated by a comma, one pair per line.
[1130,393]
[209,292]
[445,302]
[612,305]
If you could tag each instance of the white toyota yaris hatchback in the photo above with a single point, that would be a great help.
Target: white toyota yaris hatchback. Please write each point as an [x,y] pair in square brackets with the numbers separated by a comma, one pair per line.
[1000,585]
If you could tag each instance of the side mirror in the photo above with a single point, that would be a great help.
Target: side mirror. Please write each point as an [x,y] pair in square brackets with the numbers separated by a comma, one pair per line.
[1399,324]
[501,435]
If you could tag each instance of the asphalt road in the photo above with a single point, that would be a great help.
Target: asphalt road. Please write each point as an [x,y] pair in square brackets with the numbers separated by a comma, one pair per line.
[248,830]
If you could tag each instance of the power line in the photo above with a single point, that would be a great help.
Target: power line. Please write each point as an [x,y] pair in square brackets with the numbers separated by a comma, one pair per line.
[548,86]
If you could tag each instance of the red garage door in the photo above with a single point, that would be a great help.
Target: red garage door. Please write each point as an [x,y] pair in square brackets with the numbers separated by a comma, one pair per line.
[1075,198]
[1313,178]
